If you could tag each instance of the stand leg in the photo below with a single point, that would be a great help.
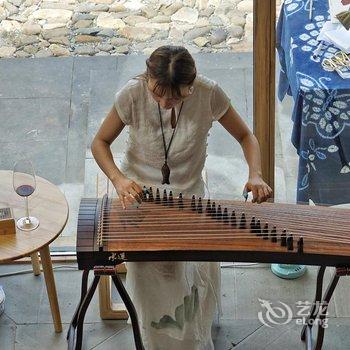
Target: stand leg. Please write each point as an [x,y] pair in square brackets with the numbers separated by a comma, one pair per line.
[75,332]
[82,312]
[318,297]
[131,309]
[308,337]
[73,324]
[324,305]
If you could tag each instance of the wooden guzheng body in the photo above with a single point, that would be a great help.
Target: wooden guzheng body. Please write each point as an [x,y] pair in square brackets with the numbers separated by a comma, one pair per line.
[173,229]
[164,228]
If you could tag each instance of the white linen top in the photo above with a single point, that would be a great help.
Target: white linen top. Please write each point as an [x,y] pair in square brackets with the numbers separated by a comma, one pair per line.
[144,155]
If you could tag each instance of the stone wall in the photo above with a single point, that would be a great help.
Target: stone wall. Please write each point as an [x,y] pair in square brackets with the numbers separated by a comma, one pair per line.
[42,28]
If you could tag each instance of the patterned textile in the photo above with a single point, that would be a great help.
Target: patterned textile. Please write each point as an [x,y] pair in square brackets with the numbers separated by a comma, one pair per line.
[321,113]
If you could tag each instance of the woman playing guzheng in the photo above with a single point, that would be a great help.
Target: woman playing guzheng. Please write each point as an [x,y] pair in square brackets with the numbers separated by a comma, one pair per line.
[169,110]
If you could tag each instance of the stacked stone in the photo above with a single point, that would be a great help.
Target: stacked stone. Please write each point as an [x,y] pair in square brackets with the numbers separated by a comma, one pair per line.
[42,28]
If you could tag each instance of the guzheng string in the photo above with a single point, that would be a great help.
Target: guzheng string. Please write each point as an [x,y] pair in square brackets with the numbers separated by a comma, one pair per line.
[195,215]
[250,237]
[273,214]
[186,237]
[175,234]
[180,221]
[225,232]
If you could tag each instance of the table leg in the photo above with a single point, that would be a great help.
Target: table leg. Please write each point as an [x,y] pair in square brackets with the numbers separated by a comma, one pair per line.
[35,263]
[50,287]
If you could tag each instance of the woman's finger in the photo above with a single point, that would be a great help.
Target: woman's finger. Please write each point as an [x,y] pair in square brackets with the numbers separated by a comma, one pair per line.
[266,192]
[261,197]
[125,199]
[135,195]
[255,194]
[137,187]
[245,192]
[137,191]
[121,197]
[134,198]
[270,191]
[129,198]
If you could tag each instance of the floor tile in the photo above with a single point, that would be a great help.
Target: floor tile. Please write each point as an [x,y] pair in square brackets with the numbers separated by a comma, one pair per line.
[228,289]
[23,294]
[48,157]
[68,286]
[73,193]
[224,60]
[7,333]
[37,119]
[235,87]
[44,77]
[221,143]
[78,121]
[103,86]
[273,289]
[226,176]
[288,337]
[229,333]
[130,66]
[42,336]
[120,341]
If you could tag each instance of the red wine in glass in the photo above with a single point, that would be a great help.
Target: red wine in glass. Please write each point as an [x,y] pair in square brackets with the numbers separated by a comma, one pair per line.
[25,190]
[24,184]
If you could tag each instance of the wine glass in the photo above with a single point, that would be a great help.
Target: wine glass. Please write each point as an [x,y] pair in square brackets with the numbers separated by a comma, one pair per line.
[24,184]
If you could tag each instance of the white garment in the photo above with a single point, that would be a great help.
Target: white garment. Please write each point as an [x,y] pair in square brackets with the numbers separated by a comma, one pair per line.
[144,156]
[175,301]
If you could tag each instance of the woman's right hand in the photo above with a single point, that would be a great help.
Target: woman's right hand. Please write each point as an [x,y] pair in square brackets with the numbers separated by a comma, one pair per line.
[129,191]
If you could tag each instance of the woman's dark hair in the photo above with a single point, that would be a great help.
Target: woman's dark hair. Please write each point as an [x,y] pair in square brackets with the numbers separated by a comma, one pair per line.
[170,66]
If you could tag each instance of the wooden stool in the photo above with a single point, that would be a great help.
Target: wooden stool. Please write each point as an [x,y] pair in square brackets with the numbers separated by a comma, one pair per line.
[108,309]
[35,263]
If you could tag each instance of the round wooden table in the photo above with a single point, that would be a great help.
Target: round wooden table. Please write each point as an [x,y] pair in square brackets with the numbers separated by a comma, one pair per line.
[49,205]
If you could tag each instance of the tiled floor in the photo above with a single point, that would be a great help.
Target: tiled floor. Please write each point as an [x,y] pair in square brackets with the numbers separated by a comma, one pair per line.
[27,322]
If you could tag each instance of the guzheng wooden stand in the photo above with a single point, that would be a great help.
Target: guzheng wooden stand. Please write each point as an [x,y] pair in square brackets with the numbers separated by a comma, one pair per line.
[320,307]
[75,332]
[170,229]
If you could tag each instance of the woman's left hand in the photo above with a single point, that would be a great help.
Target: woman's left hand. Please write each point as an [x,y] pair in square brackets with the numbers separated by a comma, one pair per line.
[260,189]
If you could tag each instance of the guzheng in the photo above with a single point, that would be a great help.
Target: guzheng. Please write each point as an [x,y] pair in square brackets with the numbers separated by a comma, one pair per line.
[167,228]
[164,228]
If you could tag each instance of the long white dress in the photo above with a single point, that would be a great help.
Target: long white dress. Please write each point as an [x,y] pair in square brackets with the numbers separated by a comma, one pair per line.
[175,301]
